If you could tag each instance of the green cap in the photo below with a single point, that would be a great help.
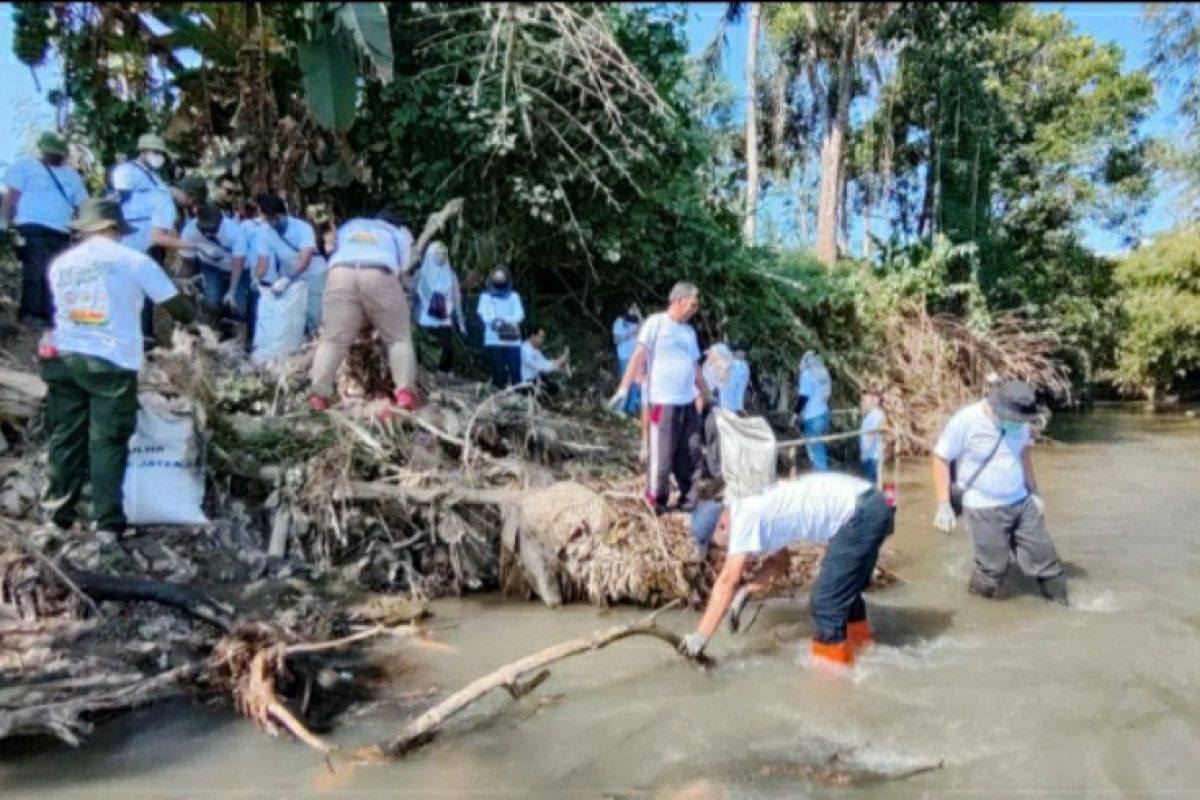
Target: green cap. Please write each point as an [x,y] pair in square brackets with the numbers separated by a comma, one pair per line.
[152,141]
[100,213]
[50,142]
[192,183]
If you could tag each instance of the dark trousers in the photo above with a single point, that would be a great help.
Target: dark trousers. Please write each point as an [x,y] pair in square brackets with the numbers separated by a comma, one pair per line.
[91,411]
[41,246]
[846,569]
[215,283]
[676,447]
[444,336]
[505,364]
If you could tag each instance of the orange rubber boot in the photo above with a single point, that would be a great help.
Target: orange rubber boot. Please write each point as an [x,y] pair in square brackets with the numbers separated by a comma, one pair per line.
[859,634]
[838,655]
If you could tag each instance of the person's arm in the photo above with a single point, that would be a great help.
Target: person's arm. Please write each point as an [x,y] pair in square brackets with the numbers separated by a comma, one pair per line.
[237,265]
[8,206]
[941,479]
[520,317]
[302,261]
[635,365]
[722,594]
[702,393]
[165,237]
[162,225]
[1027,464]
[260,269]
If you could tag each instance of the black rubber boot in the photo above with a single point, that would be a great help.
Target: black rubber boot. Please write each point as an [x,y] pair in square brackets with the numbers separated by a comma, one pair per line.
[981,587]
[1055,589]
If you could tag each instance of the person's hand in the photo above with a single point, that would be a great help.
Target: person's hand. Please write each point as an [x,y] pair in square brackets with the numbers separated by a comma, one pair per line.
[945,520]
[693,644]
[280,286]
[700,403]
[617,399]
[229,301]
[1038,503]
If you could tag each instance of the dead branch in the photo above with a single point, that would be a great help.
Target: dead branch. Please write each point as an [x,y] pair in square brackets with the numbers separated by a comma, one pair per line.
[122,588]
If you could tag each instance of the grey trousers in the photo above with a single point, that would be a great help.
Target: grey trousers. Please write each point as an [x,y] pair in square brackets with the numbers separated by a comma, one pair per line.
[1018,529]
[676,447]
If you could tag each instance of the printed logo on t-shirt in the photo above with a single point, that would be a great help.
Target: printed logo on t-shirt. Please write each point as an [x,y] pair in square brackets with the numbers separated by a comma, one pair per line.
[84,295]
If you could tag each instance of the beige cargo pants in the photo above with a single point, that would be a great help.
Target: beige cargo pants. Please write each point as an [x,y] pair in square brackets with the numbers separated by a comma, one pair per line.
[352,297]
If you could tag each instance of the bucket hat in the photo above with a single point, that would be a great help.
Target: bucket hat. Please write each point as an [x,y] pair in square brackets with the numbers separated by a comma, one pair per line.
[1014,401]
[152,141]
[100,213]
[50,142]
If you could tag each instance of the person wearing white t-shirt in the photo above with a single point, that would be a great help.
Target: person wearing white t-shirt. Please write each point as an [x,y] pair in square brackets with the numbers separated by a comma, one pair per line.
[987,442]
[91,360]
[365,270]
[42,197]
[439,304]
[870,440]
[812,406]
[625,330]
[501,311]
[219,244]
[668,349]
[845,513]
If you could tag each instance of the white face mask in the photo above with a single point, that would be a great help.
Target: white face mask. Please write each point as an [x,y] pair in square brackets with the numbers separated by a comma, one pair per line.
[156,160]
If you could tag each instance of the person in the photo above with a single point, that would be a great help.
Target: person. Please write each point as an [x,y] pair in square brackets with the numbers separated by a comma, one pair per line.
[535,367]
[286,249]
[364,286]
[219,244]
[439,301]
[677,397]
[501,312]
[624,333]
[812,406]
[148,208]
[870,441]
[251,224]
[42,198]
[988,444]
[191,193]
[727,374]
[843,512]
[91,368]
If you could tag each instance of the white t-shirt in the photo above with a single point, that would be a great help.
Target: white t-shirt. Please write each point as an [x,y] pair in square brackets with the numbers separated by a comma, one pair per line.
[673,353]
[41,203]
[870,445]
[624,335]
[371,241]
[533,363]
[228,243]
[491,308]
[733,390]
[816,388]
[148,203]
[283,251]
[99,288]
[967,439]
[810,509]
[437,279]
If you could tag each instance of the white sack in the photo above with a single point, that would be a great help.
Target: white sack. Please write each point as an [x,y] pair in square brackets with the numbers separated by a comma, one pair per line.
[279,326]
[747,453]
[164,480]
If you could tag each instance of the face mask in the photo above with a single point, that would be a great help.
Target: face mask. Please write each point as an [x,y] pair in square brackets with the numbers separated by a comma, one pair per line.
[156,160]
[1009,427]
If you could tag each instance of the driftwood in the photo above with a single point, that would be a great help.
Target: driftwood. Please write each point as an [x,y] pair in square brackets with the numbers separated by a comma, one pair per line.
[424,728]
[122,588]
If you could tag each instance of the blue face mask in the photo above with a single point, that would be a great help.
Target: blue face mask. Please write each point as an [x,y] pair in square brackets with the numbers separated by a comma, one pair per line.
[1009,427]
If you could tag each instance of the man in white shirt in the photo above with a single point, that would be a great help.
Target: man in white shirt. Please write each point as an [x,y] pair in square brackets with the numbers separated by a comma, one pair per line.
[625,330]
[535,367]
[219,245]
[364,286]
[42,198]
[870,441]
[845,513]
[92,359]
[988,443]
[285,252]
[678,394]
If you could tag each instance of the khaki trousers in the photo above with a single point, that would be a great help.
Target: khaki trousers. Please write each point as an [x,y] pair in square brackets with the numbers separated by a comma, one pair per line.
[352,298]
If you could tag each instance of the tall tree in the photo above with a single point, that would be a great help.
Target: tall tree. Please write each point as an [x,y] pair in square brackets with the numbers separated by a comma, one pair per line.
[1175,61]
[749,226]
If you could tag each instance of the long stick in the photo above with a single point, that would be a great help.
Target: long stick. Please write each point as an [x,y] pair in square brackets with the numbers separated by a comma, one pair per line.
[422,730]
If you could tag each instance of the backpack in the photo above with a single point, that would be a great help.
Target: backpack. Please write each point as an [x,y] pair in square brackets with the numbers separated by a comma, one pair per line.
[437,306]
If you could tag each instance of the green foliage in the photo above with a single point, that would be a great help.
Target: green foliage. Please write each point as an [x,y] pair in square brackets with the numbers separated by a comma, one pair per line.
[1160,284]
[330,79]
[32,29]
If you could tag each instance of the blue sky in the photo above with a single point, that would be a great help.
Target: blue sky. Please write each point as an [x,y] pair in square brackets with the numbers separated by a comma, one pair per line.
[27,111]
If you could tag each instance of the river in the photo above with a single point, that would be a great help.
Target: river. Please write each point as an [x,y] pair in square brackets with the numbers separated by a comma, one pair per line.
[1010,698]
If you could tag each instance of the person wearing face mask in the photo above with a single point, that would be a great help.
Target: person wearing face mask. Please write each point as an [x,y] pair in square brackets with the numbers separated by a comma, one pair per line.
[42,198]
[439,302]
[501,311]
[220,254]
[148,208]
[812,407]
[988,444]
[286,247]
[624,333]
[668,349]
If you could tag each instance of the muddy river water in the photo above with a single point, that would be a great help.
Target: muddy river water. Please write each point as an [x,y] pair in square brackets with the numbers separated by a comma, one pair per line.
[1015,698]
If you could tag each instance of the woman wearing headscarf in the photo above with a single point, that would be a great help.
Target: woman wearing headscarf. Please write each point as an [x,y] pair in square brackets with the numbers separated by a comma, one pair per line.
[501,311]
[439,301]
[812,406]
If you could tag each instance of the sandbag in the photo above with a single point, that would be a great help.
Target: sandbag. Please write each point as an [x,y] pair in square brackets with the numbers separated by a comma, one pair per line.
[164,479]
[279,326]
[747,453]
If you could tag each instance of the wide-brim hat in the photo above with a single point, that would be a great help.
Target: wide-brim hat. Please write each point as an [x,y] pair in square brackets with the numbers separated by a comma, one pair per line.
[1014,401]
[100,213]
[152,141]
[50,142]
[704,523]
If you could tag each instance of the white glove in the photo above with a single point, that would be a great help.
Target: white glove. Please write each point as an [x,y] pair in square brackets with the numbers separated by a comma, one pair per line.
[693,644]
[945,520]
[280,286]
[230,300]
[617,399]
[1039,504]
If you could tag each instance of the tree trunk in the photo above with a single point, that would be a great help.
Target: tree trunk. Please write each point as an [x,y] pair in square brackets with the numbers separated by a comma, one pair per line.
[833,148]
[749,229]
[927,223]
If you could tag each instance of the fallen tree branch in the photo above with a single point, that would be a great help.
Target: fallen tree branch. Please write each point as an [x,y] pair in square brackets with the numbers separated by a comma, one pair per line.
[122,588]
[424,728]
[366,490]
